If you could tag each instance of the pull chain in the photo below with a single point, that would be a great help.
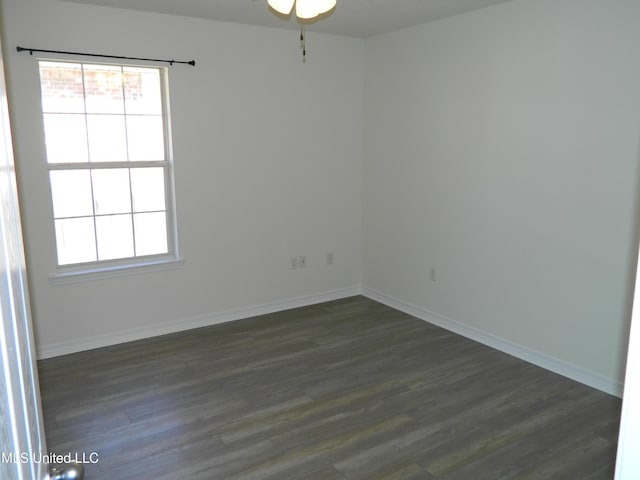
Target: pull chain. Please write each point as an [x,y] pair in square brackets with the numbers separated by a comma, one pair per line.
[303,43]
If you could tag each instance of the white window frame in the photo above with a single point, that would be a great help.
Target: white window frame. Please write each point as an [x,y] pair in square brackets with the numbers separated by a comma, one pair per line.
[130,265]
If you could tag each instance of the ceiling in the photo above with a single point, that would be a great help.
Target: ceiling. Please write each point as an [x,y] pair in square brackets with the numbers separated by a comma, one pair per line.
[357,18]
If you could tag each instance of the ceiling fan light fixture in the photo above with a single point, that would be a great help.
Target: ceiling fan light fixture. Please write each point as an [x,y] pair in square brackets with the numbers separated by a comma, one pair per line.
[306,12]
[282,6]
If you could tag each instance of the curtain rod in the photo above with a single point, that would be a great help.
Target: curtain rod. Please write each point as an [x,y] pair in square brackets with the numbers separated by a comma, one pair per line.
[170,62]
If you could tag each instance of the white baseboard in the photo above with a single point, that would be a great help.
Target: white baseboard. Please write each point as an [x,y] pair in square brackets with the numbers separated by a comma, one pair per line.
[97,341]
[543,360]
[566,369]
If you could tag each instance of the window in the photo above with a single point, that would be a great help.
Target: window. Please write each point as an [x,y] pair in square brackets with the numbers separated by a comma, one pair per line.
[109,161]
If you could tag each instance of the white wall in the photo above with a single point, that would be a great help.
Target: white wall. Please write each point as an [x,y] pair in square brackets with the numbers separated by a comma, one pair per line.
[268,165]
[501,150]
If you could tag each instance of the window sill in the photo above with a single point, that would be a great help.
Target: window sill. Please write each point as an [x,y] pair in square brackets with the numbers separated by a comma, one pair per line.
[114,271]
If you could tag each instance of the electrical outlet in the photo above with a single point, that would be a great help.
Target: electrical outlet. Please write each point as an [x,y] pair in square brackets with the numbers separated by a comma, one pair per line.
[302,261]
[432,274]
[331,258]
[293,263]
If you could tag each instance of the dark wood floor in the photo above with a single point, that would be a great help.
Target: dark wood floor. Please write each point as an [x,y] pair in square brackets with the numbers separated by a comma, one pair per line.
[349,389]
